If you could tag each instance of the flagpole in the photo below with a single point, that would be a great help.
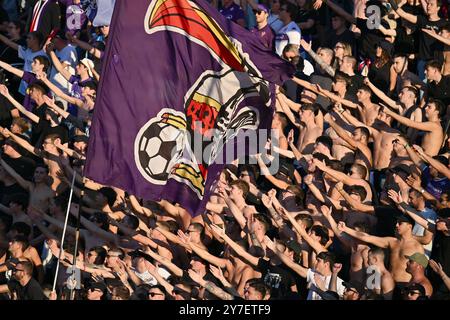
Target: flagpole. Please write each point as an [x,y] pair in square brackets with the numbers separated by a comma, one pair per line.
[77,235]
[64,232]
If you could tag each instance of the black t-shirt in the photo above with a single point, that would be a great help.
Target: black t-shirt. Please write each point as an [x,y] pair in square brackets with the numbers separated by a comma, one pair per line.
[22,165]
[367,40]
[278,278]
[31,291]
[428,44]
[380,76]
[5,112]
[346,36]
[406,43]
[303,16]
[36,130]
[440,91]
[356,82]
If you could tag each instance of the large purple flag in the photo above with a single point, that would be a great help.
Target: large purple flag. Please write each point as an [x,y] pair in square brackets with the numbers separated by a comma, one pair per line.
[176,70]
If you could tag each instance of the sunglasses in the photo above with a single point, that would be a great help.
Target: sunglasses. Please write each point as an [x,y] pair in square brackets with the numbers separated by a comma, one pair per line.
[257,11]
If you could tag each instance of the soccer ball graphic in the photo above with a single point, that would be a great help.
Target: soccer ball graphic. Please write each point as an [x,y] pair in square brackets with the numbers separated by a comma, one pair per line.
[158,145]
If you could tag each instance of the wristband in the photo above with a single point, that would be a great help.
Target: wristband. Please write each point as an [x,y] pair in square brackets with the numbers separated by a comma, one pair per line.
[422,190]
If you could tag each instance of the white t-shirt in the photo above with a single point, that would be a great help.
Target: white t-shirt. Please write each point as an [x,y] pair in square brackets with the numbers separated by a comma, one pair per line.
[288,34]
[27,55]
[419,231]
[147,278]
[311,282]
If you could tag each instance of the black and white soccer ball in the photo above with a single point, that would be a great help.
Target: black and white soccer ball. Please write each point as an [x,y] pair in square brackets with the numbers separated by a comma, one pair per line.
[159,146]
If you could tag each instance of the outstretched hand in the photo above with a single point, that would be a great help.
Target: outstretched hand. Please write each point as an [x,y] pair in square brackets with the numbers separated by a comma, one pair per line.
[395,196]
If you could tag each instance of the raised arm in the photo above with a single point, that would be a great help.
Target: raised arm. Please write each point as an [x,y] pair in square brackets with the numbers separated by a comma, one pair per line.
[4,91]
[325,67]
[173,268]
[403,14]
[336,98]
[300,270]
[237,248]
[56,63]
[27,185]
[85,46]
[433,162]
[341,12]
[280,184]
[382,242]
[210,286]
[9,42]
[424,126]
[10,68]
[380,94]
[59,92]
[432,33]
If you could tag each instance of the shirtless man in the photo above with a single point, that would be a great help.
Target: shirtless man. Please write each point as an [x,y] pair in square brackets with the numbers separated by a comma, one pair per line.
[40,192]
[359,250]
[387,284]
[309,129]
[279,123]
[407,106]
[235,202]
[49,153]
[403,245]
[357,142]
[382,134]
[416,265]
[357,176]
[434,136]
[367,109]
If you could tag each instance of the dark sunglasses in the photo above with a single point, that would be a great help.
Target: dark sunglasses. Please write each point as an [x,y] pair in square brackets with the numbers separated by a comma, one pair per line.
[257,11]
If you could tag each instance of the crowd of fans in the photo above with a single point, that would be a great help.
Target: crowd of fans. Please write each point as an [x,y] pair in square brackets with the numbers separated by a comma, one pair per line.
[358,210]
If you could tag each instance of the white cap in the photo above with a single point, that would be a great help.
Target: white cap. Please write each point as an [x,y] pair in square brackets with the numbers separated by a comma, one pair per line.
[89,65]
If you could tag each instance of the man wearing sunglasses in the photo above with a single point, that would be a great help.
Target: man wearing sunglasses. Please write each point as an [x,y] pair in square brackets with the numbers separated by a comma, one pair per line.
[290,32]
[24,286]
[263,30]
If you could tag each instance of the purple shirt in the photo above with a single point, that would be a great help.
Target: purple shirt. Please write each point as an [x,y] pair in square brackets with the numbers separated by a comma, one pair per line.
[266,35]
[233,12]
[29,78]
[76,93]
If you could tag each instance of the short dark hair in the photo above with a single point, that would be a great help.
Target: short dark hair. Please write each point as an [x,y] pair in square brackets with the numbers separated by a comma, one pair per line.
[340,76]
[260,287]
[263,219]
[22,239]
[39,86]
[27,266]
[335,165]
[122,292]
[327,257]
[101,254]
[38,36]
[43,60]
[364,131]
[326,141]
[109,194]
[366,88]
[314,107]
[359,190]
[362,170]
[283,119]
[198,227]
[134,221]
[434,64]
[241,184]
[362,226]
[322,233]
[440,107]
[306,219]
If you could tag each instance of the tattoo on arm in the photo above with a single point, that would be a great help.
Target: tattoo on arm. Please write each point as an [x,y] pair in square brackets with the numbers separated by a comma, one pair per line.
[218,292]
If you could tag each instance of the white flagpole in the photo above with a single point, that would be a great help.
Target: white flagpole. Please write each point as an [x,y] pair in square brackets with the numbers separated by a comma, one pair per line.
[64,230]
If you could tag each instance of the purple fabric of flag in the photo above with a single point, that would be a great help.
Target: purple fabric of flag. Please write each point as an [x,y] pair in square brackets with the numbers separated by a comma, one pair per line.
[176,69]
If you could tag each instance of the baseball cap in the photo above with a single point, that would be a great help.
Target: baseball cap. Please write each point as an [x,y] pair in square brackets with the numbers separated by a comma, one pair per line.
[356,285]
[262,7]
[419,258]
[405,218]
[88,64]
